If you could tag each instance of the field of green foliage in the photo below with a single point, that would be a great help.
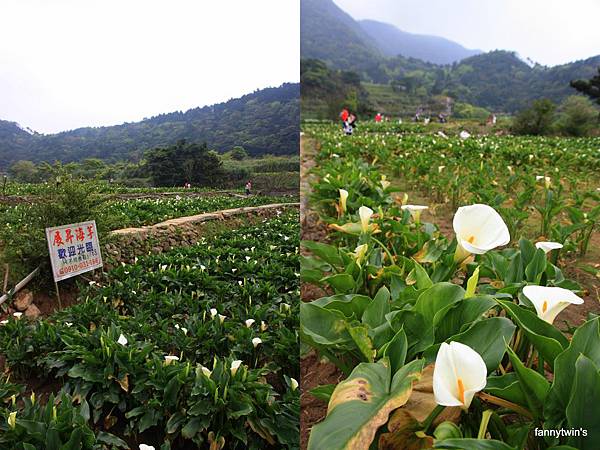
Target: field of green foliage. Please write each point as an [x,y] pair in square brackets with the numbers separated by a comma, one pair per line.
[193,348]
[445,271]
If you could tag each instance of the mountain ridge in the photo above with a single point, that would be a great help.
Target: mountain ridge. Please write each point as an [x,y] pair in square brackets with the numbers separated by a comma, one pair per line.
[264,121]
[393,41]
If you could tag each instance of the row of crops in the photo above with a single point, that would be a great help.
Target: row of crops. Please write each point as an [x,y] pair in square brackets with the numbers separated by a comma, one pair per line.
[115,214]
[194,348]
[542,186]
[451,340]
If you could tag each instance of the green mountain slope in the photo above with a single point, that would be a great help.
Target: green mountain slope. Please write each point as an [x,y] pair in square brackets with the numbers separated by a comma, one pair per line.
[393,41]
[265,121]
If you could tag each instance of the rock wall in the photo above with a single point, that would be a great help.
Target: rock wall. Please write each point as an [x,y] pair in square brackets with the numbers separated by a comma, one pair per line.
[123,246]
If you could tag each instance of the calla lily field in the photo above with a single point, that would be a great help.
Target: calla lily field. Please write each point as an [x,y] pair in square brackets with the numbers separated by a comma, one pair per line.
[195,347]
[442,290]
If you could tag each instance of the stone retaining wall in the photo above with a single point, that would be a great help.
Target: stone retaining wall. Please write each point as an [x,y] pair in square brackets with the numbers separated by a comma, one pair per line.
[123,246]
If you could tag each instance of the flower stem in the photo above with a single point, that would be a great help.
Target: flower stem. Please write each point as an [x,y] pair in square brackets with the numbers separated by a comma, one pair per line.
[385,249]
[431,417]
[485,420]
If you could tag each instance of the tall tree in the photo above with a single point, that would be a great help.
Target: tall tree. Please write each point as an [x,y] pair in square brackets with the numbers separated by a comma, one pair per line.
[590,87]
[184,163]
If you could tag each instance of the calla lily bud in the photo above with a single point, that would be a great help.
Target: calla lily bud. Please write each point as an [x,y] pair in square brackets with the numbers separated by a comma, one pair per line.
[343,199]
[365,214]
[550,301]
[459,374]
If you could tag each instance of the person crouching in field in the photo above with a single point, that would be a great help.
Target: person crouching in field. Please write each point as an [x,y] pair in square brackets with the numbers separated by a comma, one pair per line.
[248,187]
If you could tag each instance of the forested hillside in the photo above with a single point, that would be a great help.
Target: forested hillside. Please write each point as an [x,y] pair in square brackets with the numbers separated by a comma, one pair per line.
[265,121]
[498,81]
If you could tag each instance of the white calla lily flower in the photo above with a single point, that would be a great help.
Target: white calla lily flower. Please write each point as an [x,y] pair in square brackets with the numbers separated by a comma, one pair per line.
[222,318]
[146,447]
[459,373]
[12,420]
[213,312]
[3,322]
[256,342]
[479,228]
[415,211]
[235,365]
[343,199]
[360,252]
[294,384]
[548,246]
[547,180]
[550,301]
[250,322]
[206,371]
[170,358]
[365,213]
[122,340]
[17,315]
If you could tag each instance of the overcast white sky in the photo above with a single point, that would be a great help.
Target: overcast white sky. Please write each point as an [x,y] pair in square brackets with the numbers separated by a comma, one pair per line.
[71,63]
[547,31]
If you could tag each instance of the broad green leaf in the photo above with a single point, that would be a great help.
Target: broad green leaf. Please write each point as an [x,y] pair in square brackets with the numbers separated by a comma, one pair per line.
[322,325]
[437,300]
[462,314]
[536,267]
[534,386]
[472,444]
[487,337]
[507,387]
[585,341]
[362,403]
[582,411]
[360,336]
[547,339]
[326,252]
[423,280]
[351,305]
[418,334]
[342,283]
[111,439]
[323,392]
[374,314]
[396,350]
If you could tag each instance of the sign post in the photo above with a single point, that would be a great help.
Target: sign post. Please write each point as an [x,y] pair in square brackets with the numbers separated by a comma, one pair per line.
[74,249]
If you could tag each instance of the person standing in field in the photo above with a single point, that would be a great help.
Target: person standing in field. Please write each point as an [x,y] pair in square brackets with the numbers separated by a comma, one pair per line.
[248,187]
[378,117]
[344,116]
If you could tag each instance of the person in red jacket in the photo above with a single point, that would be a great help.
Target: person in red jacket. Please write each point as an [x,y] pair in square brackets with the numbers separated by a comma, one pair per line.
[378,117]
[344,116]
